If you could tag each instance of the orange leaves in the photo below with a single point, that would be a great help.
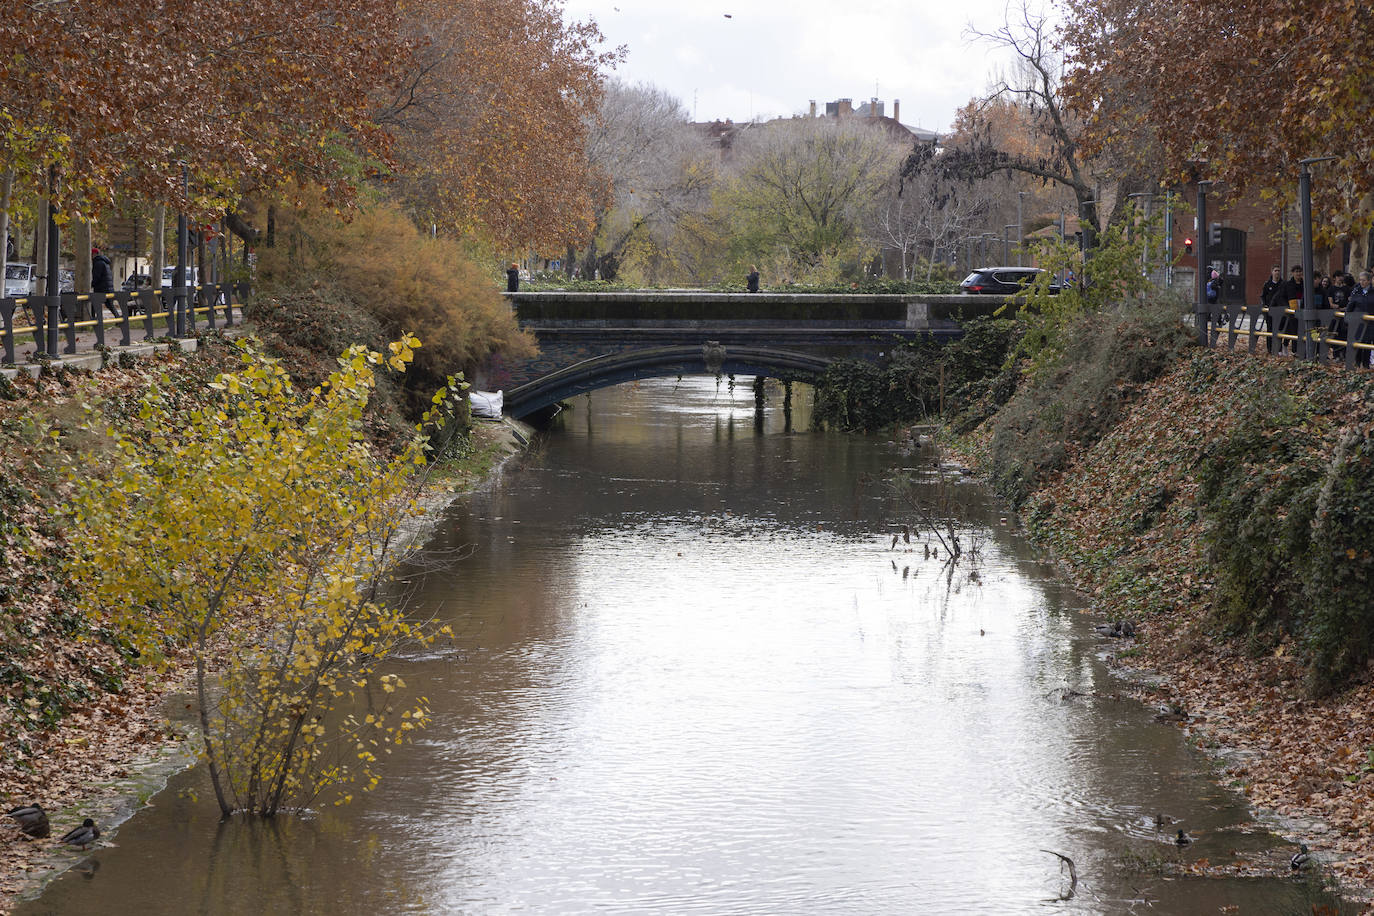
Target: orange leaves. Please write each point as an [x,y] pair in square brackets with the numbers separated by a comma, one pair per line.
[1252,87]
[233,100]
[494,125]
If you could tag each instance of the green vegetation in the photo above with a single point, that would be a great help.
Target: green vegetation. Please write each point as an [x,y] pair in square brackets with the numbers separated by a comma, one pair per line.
[1065,406]
[921,378]
[1291,519]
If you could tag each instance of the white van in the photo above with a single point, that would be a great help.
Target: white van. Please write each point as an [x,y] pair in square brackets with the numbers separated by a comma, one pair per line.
[169,274]
[19,279]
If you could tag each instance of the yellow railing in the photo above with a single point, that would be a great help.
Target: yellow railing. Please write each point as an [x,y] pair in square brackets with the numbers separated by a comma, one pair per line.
[1368,318]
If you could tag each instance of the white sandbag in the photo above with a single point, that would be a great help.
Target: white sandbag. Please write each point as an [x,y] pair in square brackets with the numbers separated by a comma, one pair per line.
[487,404]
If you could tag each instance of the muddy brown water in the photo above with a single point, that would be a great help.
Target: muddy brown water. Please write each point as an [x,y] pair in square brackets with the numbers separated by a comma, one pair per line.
[692,676]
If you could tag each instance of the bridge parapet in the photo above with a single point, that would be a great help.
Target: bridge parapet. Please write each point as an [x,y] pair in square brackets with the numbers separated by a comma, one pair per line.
[689,308]
[590,340]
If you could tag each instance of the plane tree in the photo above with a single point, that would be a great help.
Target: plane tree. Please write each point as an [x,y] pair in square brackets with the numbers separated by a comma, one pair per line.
[1249,87]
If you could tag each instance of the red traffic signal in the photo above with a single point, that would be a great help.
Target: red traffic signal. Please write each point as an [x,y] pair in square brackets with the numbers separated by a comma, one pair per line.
[1188,246]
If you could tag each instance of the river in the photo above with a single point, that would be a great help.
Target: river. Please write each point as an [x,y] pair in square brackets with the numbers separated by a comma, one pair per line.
[693,675]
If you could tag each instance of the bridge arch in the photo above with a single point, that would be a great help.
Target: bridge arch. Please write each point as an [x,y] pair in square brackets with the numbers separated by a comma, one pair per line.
[660,362]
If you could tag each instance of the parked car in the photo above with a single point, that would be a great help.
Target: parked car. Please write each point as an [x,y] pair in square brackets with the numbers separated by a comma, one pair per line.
[137,281]
[1002,281]
[66,281]
[169,274]
[19,279]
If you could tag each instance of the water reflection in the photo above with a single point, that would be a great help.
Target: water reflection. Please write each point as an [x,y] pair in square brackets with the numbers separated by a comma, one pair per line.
[691,676]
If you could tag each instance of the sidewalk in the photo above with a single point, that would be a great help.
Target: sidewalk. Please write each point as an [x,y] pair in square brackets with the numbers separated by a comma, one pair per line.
[93,342]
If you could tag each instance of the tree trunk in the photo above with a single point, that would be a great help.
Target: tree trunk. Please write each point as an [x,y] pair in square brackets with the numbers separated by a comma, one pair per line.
[6,191]
[159,253]
[589,266]
[81,255]
[1359,239]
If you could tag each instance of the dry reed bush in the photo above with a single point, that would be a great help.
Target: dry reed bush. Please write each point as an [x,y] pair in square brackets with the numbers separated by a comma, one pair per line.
[378,262]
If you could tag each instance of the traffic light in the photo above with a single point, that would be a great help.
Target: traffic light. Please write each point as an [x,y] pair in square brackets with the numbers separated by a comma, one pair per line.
[1187,246]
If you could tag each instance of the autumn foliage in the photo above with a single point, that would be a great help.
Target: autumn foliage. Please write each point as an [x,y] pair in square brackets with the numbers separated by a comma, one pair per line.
[273,525]
[369,278]
[492,120]
[1247,88]
[117,95]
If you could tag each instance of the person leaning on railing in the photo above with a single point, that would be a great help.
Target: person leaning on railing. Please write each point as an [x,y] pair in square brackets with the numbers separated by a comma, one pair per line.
[1361,299]
[1292,298]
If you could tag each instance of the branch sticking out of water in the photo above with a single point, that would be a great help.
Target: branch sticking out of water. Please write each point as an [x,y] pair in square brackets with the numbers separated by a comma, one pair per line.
[1073,873]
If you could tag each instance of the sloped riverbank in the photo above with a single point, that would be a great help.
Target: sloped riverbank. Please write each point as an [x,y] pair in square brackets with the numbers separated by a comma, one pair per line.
[1226,511]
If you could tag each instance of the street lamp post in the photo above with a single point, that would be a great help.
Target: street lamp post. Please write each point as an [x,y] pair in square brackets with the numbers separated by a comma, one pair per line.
[1201,314]
[1083,240]
[1308,314]
[53,268]
[179,275]
[1006,252]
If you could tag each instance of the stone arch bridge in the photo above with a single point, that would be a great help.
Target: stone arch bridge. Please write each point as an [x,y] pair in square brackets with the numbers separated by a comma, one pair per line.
[593,340]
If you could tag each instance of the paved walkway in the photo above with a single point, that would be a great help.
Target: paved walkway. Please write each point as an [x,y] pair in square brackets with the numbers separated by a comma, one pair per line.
[78,345]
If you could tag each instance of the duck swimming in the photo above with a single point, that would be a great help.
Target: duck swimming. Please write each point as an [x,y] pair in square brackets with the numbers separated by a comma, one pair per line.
[82,836]
[1182,839]
[32,820]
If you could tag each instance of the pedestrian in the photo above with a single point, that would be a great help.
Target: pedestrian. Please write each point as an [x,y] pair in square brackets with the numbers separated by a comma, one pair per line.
[102,282]
[1361,303]
[1214,296]
[752,280]
[1269,295]
[1337,291]
[1291,297]
[513,278]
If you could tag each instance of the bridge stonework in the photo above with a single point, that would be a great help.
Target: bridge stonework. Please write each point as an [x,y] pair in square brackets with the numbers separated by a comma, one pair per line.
[592,340]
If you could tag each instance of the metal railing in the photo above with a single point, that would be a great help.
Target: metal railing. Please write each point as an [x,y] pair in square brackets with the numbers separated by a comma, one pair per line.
[55,321]
[1311,334]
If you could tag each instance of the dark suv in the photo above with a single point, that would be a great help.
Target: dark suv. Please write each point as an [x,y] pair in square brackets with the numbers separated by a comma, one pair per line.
[1002,281]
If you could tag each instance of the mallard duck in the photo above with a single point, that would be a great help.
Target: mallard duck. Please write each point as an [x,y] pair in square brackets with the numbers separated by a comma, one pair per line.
[1301,859]
[82,836]
[32,819]
[1182,839]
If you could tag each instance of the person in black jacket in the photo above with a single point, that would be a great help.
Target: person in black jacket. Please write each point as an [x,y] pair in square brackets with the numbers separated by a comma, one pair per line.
[102,282]
[751,281]
[1290,297]
[1268,295]
[1361,299]
[513,278]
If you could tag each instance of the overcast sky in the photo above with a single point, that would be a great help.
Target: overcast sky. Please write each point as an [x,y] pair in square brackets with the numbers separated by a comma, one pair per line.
[770,57]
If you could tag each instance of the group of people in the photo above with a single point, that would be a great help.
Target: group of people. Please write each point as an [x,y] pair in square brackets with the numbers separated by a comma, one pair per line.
[1340,290]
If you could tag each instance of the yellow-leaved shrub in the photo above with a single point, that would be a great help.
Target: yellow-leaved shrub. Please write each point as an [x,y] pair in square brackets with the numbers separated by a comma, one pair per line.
[256,533]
